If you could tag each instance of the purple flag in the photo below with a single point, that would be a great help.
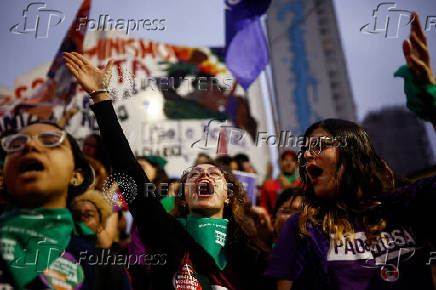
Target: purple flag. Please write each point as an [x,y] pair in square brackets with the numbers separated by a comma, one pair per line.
[247,50]
[248,181]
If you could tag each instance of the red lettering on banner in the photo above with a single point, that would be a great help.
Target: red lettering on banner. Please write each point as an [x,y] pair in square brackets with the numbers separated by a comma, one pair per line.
[114,44]
[118,64]
[19,91]
[130,43]
[37,82]
[109,47]
[136,64]
[146,49]
[96,50]
[168,48]
[4,100]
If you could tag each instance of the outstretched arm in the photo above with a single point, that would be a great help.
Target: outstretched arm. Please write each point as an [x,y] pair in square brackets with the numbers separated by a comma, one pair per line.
[160,232]
[415,51]
[95,81]
[419,78]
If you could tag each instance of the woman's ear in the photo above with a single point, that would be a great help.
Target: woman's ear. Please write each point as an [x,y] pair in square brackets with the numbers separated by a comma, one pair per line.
[77,178]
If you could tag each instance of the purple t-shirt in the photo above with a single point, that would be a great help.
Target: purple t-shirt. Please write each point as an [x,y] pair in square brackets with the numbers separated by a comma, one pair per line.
[395,262]
[398,260]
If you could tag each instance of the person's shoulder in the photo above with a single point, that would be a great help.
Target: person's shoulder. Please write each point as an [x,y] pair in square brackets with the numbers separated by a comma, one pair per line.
[271,184]
[292,224]
[293,219]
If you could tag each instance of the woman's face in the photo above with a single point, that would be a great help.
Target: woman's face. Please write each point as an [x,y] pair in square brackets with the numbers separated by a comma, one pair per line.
[86,212]
[206,188]
[321,168]
[90,146]
[37,173]
[285,211]
[288,164]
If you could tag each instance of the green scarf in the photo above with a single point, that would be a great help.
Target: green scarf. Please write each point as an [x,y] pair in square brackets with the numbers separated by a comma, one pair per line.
[211,234]
[168,203]
[31,240]
[290,177]
[421,98]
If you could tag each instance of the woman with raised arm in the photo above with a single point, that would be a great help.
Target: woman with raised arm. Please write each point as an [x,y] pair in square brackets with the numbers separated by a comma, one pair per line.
[212,245]
[360,228]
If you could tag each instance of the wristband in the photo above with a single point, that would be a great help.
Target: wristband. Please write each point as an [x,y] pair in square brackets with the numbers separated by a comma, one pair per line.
[98,91]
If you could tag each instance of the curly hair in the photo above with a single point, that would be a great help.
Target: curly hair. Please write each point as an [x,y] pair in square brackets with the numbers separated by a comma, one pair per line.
[97,199]
[361,176]
[244,246]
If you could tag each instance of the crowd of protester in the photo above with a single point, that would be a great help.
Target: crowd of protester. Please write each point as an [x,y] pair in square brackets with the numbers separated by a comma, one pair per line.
[336,217]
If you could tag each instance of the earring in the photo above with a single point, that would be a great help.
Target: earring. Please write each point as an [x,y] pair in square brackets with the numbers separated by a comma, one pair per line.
[73,182]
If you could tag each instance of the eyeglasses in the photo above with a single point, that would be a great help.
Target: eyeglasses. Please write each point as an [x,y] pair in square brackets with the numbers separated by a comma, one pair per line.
[16,142]
[213,172]
[317,145]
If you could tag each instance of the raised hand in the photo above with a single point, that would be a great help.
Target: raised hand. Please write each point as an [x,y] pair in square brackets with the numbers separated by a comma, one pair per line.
[89,76]
[416,52]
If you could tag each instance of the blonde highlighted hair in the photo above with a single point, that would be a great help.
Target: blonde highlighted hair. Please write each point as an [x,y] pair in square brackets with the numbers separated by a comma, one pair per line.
[362,176]
[97,199]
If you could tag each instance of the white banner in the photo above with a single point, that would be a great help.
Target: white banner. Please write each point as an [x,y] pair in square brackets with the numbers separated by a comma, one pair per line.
[140,102]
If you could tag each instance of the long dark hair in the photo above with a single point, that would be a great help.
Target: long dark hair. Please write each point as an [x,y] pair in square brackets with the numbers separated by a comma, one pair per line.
[361,176]
[244,247]
[80,161]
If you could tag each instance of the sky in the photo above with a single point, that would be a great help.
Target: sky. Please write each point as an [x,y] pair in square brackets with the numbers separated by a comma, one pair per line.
[22,52]
[371,58]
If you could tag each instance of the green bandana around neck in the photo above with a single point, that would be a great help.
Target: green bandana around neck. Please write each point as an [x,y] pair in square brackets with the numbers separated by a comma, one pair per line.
[290,177]
[32,239]
[211,234]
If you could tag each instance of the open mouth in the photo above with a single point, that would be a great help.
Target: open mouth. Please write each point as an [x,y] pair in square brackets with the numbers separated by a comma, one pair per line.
[30,165]
[314,171]
[205,188]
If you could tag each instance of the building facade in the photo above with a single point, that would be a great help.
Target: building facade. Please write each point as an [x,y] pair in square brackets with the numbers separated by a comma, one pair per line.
[400,138]
[308,65]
